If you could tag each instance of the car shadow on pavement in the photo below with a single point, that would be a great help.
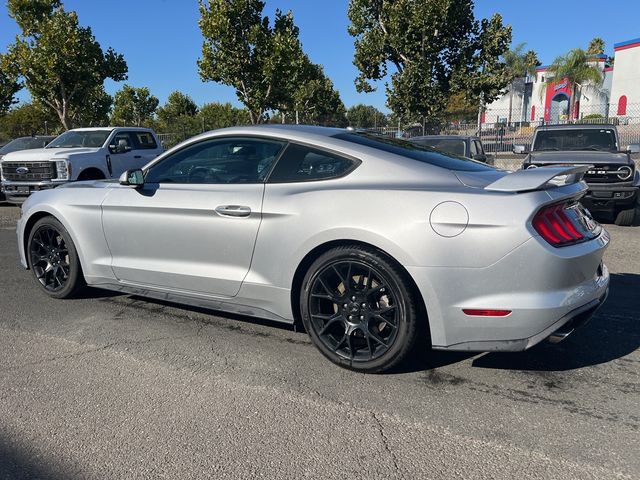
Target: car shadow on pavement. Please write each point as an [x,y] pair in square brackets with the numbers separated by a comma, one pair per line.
[18,464]
[612,333]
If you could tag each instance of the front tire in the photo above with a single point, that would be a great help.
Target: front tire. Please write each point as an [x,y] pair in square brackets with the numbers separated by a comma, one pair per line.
[359,310]
[53,259]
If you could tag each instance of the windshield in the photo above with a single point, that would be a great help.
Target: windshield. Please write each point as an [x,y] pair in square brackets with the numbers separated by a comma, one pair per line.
[576,139]
[449,145]
[23,144]
[84,138]
[417,152]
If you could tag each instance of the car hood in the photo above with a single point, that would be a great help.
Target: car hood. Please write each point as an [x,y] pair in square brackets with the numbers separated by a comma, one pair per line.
[39,154]
[90,184]
[584,157]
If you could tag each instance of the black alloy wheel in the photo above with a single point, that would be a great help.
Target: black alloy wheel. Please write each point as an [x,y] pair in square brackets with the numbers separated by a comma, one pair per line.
[53,259]
[358,309]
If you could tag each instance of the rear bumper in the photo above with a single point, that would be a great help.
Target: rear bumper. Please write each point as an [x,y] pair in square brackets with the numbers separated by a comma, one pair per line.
[544,288]
[555,333]
[610,197]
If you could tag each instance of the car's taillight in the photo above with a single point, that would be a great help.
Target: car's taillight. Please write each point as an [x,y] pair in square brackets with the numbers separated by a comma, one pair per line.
[564,224]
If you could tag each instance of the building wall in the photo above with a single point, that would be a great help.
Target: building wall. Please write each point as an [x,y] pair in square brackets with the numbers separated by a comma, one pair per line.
[620,81]
[626,74]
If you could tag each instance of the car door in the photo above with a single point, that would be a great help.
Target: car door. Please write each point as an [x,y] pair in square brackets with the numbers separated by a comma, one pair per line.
[192,227]
[145,147]
[122,155]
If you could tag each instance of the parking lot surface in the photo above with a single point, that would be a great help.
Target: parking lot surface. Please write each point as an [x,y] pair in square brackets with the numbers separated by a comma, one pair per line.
[116,386]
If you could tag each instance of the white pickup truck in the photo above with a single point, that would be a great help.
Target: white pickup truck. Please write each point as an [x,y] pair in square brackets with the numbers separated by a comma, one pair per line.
[79,154]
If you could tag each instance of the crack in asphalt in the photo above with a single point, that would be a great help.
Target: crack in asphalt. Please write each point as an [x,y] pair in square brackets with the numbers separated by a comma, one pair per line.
[385,443]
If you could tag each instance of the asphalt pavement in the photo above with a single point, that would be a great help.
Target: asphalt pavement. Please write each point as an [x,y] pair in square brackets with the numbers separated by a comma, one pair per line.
[113,386]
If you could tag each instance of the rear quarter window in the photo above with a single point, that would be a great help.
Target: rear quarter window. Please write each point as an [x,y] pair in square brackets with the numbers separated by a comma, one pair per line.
[299,163]
[144,140]
[413,151]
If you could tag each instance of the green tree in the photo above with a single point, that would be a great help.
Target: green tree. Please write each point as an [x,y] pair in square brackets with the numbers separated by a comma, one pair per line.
[178,116]
[241,49]
[133,106]
[596,46]
[365,116]
[519,64]
[314,99]
[430,49]
[95,109]
[61,62]
[9,86]
[576,68]
[28,119]
[221,115]
[461,107]
[178,105]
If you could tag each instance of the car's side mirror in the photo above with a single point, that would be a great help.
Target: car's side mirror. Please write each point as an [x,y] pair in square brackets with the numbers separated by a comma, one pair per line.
[633,148]
[121,147]
[480,157]
[133,178]
[520,149]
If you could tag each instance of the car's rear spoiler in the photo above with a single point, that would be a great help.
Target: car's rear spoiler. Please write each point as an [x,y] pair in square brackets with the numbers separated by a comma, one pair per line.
[539,178]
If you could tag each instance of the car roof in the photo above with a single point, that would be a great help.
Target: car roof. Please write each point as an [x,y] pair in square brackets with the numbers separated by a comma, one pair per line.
[446,137]
[575,126]
[109,129]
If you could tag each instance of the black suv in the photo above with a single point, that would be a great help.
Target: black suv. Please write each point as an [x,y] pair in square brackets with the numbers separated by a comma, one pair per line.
[613,181]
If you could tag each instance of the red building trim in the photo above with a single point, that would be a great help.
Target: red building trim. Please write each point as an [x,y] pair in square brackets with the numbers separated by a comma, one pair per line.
[533,113]
[626,47]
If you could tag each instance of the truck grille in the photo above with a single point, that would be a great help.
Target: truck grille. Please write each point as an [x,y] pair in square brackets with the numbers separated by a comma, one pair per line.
[609,173]
[13,171]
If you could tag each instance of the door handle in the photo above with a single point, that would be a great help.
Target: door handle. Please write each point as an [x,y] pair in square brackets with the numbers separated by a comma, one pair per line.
[137,156]
[233,211]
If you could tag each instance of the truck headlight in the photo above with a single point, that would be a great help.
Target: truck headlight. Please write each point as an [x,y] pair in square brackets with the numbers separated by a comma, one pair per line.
[62,168]
[625,173]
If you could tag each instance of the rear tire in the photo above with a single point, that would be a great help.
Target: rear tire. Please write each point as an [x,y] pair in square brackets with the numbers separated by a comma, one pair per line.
[53,259]
[359,309]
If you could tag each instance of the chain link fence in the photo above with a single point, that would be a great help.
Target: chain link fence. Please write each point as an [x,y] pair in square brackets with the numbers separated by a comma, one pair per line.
[500,137]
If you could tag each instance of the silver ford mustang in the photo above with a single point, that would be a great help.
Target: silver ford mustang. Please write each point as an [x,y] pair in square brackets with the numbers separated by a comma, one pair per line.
[375,244]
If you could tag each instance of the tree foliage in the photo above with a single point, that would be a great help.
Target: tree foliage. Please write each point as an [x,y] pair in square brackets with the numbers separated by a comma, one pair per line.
[28,119]
[596,46]
[576,67]
[313,99]
[430,49]
[133,106]
[61,62]
[519,64]
[365,116]
[221,115]
[9,86]
[178,105]
[241,49]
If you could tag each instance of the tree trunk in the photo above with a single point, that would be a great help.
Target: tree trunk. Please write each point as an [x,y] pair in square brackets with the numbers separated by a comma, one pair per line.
[510,103]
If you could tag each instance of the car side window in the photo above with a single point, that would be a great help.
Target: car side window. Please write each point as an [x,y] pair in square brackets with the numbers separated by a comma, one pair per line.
[143,140]
[122,140]
[227,160]
[301,164]
[474,148]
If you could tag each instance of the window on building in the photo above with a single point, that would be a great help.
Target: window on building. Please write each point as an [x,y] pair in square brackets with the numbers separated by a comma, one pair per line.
[622,105]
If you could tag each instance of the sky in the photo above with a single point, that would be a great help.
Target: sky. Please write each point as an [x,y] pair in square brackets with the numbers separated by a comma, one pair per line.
[161,41]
